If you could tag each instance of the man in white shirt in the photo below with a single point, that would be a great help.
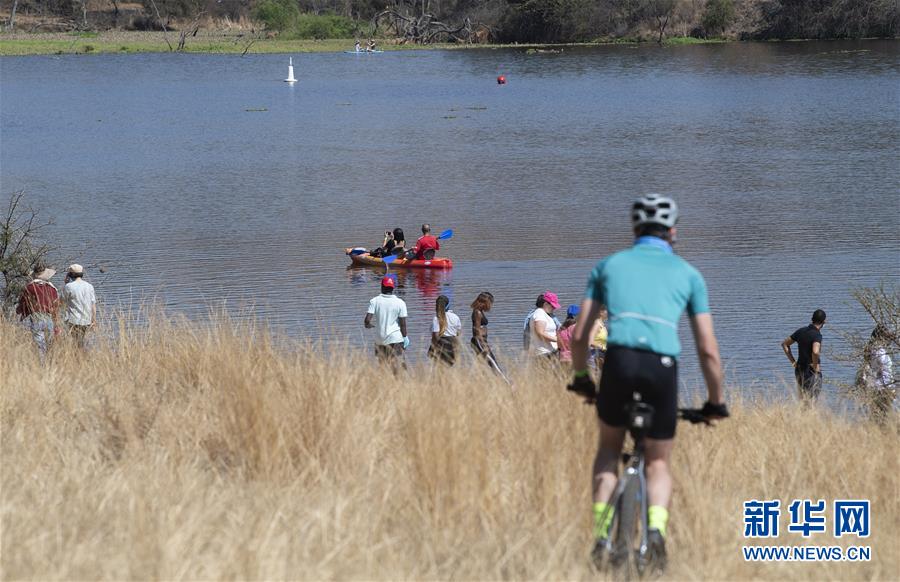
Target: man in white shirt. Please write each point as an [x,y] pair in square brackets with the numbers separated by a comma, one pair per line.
[80,304]
[389,314]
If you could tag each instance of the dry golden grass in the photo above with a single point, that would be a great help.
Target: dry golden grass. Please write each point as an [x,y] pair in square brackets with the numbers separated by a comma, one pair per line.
[221,453]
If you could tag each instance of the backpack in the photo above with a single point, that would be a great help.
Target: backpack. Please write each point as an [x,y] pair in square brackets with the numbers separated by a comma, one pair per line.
[526,331]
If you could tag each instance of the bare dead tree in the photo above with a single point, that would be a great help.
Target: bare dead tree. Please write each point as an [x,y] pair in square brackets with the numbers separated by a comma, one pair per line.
[662,11]
[115,4]
[882,304]
[12,15]
[163,24]
[84,23]
[21,247]
[190,30]
[424,27]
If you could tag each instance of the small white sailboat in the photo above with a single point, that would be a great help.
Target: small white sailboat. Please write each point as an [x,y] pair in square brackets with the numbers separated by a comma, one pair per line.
[290,78]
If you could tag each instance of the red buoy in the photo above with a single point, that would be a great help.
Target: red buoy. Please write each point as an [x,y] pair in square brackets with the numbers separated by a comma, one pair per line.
[501,80]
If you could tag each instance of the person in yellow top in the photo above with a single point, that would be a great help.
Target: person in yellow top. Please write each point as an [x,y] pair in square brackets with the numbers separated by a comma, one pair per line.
[598,337]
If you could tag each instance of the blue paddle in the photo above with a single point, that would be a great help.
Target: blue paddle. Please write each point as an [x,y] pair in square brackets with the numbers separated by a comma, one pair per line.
[387,262]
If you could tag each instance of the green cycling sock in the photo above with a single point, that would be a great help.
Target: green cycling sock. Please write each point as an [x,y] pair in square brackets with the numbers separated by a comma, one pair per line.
[657,518]
[603,516]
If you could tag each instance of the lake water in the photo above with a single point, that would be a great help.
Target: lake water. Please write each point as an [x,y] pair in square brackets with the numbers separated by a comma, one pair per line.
[783,157]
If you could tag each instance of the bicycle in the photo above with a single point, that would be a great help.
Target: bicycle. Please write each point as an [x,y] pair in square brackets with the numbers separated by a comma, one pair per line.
[629,500]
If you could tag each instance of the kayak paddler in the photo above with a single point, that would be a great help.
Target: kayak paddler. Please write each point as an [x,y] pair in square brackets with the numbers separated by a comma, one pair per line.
[425,243]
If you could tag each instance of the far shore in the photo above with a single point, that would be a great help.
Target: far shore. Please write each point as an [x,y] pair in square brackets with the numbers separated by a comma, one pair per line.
[236,42]
[247,42]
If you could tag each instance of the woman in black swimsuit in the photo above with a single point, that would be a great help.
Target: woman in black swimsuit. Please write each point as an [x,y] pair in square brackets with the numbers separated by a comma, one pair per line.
[393,244]
[480,306]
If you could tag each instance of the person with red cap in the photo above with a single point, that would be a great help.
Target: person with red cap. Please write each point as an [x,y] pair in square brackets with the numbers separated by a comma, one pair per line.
[387,314]
[542,344]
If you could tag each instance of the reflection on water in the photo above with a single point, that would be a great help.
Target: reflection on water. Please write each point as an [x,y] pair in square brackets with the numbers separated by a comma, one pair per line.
[782,156]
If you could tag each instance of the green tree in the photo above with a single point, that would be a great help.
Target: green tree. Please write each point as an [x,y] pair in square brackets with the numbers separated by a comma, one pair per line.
[717,15]
[277,14]
[321,26]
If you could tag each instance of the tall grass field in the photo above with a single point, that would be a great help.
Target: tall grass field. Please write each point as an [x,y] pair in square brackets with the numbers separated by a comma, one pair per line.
[216,450]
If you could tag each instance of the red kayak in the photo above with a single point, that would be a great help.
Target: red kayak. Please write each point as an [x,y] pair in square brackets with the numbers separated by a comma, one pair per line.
[367,260]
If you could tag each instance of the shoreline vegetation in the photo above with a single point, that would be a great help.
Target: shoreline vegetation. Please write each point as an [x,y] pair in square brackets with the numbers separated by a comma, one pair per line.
[130,42]
[215,450]
[284,26]
[134,42]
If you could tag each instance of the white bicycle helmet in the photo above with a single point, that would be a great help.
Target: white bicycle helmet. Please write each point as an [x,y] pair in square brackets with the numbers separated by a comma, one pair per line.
[654,209]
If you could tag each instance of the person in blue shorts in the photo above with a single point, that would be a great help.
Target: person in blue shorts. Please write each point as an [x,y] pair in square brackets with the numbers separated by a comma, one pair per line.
[646,288]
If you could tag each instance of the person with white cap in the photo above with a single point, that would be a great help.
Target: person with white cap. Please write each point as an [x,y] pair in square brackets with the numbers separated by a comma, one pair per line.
[38,307]
[80,304]
[387,314]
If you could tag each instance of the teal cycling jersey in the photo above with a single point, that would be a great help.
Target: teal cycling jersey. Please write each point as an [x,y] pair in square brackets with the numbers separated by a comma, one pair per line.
[646,289]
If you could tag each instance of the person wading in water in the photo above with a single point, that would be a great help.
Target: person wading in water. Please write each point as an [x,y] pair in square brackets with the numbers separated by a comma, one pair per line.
[808,365]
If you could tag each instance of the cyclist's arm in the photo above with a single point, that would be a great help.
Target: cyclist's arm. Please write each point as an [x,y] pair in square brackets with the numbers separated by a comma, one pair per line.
[581,338]
[708,354]
[816,351]
[786,346]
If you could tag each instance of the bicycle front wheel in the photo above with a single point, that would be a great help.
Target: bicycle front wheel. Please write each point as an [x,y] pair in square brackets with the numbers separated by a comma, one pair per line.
[627,519]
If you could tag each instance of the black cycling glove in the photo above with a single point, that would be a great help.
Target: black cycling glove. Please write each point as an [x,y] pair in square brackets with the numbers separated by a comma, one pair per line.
[583,386]
[711,410]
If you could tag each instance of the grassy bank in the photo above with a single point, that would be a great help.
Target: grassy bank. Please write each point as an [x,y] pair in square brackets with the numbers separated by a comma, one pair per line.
[216,451]
[124,42]
[155,42]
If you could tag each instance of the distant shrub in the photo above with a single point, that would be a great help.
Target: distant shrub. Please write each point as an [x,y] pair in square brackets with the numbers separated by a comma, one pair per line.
[718,15]
[321,26]
[277,14]
[146,23]
[169,9]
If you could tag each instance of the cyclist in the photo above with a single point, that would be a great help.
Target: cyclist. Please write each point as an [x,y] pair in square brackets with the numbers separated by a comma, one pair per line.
[646,289]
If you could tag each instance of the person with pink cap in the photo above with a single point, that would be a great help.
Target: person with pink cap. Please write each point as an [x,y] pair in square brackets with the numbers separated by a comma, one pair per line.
[387,314]
[542,344]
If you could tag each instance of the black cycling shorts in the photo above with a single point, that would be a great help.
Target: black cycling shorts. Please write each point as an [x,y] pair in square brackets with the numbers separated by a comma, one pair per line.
[655,377]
